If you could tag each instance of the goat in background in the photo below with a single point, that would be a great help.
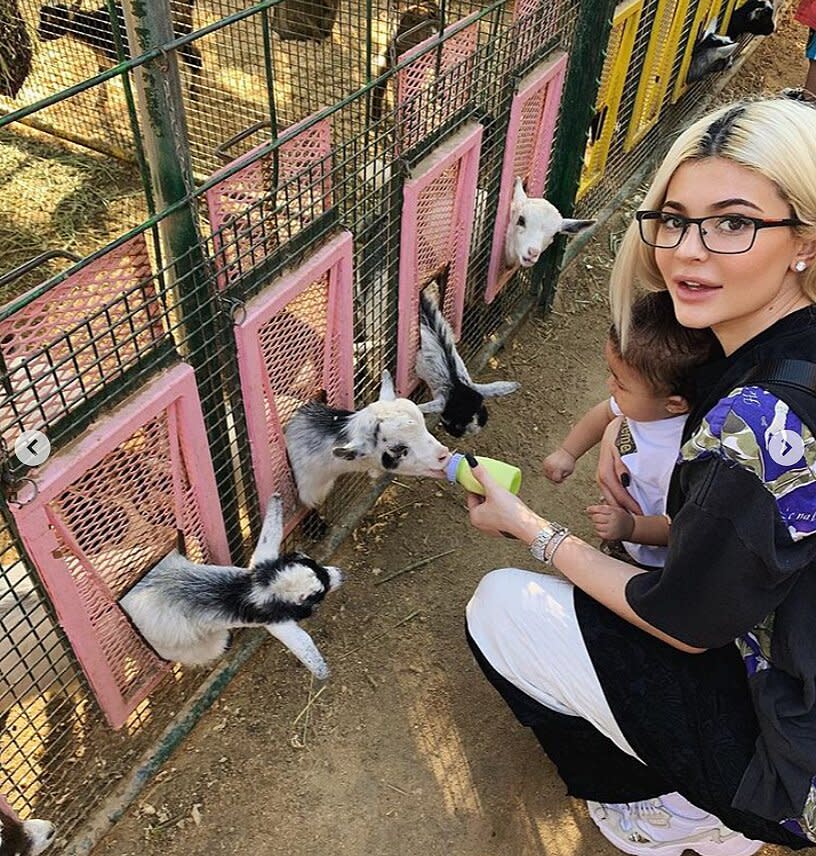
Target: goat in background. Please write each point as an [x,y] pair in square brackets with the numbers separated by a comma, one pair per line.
[532,227]
[712,53]
[23,838]
[94,29]
[418,22]
[458,399]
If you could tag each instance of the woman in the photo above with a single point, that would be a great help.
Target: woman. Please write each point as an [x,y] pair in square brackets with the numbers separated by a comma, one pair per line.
[677,737]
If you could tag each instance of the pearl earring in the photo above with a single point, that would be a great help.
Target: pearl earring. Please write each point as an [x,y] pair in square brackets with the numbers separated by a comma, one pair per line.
[800,266]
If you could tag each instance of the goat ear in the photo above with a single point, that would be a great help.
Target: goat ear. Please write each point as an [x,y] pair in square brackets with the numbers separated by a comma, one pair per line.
[387,387]
[574,227]
[349,452]
[268,545]
[519,196]
[435,406]
[496,389]
[711,28]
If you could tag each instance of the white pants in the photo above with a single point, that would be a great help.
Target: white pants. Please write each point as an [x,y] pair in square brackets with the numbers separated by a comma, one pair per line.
[525,625]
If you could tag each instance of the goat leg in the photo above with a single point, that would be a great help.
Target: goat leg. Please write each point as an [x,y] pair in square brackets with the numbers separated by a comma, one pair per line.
[267,548]
[298,641]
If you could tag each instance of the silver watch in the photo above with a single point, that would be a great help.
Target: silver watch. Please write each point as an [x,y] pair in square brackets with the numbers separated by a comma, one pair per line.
[547,541]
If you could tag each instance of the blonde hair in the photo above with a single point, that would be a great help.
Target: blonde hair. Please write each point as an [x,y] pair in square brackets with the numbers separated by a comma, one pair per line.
[775,137]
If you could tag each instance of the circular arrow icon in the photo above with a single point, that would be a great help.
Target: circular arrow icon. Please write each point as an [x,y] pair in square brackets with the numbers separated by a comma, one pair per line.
[32,448]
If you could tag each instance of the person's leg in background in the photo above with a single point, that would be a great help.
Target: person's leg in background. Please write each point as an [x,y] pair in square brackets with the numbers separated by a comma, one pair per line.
[810,52]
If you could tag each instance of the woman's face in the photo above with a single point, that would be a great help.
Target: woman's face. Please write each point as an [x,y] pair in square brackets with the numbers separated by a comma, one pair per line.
[739,295]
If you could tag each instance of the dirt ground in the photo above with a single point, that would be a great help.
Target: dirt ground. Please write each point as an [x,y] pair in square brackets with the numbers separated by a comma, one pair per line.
[407,749]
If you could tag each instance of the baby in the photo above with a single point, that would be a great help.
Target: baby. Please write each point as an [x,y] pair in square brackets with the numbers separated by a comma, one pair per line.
[651,387]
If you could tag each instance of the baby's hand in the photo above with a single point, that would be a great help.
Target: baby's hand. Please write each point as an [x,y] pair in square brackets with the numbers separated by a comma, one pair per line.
[611,524]
[558,465]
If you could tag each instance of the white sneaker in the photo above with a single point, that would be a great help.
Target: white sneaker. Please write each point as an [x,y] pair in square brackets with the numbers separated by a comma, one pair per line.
[653,828]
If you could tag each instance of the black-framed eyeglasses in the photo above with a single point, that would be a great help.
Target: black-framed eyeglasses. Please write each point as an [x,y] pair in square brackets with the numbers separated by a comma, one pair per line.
[728,234]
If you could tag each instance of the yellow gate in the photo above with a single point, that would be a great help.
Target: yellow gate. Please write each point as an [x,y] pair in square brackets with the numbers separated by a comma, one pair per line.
[707,11]
[618,54]
[657,67]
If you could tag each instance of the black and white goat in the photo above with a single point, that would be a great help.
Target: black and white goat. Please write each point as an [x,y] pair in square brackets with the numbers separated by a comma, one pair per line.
[756,17]
[94,29]
[187,611]
[23,838]
[386,436]
[458,399]
[712,53]
[532,227]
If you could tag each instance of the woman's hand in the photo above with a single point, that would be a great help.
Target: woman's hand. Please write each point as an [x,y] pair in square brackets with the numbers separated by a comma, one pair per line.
[500,512]
[613,476]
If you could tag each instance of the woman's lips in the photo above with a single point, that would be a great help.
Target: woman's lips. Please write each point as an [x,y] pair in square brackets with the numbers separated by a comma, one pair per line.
[695,290]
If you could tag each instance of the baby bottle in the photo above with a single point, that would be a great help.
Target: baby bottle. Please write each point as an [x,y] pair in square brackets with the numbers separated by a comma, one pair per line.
[458,470]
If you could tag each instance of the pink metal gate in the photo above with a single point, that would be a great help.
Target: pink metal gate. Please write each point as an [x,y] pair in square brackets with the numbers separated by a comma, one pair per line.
[533,117]
[437,221]
[536,23]
[107,508]
[294,343]
[427,96]
[248,225]
[67,344]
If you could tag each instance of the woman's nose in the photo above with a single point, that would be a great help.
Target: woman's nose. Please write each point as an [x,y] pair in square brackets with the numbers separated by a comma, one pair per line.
[691,243]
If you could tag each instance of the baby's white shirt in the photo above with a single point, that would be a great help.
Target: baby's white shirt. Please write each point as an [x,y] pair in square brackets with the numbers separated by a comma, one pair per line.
[650,458]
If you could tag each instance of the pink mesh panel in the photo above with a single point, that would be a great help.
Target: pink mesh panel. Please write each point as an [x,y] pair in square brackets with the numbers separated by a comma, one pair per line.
[422,106]
[535,24]
[244,217]
[71,343]
[437,220]
[533,116]
[106,511]
[295,342]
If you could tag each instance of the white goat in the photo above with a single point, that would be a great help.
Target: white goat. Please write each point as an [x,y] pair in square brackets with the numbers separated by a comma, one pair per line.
[532,227]
[458,398]
[388,435]
[186,611]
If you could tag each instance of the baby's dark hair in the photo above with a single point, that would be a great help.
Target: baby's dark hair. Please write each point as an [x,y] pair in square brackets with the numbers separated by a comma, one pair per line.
[662,351]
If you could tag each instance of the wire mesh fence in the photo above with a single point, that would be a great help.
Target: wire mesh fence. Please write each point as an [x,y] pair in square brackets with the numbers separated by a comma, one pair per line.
[329,160]
[644,97]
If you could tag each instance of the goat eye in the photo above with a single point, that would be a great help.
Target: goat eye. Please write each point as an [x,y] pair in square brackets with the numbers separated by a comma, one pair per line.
[521,222]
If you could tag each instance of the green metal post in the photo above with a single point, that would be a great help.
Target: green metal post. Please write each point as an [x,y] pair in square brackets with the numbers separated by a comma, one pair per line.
[586,62]
[269,69]
[166,145]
